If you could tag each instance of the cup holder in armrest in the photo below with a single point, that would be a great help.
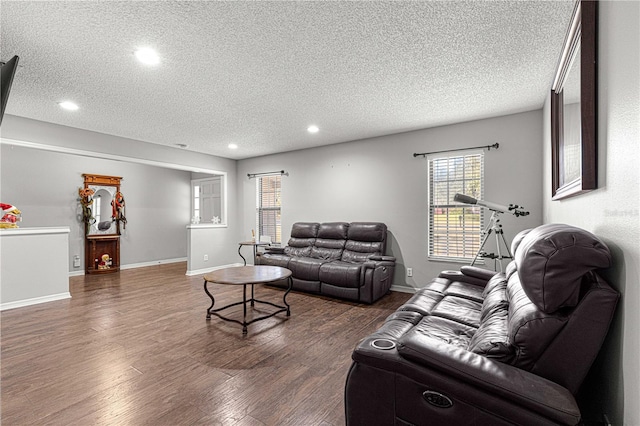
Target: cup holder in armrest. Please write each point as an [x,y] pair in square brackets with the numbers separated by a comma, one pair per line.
[384,344]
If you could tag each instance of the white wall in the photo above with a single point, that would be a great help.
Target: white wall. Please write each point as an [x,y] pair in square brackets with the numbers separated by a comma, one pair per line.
[44,185]
[33,266]
[613,211]
[379,180]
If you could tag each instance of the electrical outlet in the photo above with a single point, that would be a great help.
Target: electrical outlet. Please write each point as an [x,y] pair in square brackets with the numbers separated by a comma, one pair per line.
[409,272]
[76,261]
[206,257]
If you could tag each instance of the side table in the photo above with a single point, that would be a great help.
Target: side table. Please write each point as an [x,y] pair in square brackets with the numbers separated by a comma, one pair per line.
[255,249]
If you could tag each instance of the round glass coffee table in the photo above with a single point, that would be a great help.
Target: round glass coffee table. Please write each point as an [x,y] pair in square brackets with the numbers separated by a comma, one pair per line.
[244,276]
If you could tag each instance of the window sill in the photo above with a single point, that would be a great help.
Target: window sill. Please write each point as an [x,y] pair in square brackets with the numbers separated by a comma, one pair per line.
[450,260]
[206,225]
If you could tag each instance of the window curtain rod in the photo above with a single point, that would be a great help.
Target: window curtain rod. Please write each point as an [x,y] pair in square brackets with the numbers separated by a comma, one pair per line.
[424,154]
[254,175]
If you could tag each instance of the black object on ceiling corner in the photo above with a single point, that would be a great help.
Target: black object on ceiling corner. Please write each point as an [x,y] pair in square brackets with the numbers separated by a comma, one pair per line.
[8,71]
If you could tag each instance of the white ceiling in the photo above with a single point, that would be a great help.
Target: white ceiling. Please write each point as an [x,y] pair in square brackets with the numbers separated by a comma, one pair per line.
[258,73]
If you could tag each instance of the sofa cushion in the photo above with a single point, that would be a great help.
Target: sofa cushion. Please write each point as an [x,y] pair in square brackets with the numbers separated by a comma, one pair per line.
[303,237]
[306,268]
[515,243]
[275,259]
[459,309]
[368,231]
[333,231]
[342,274]
[299,247]
[529,329]
[464,290]
[361,251]
[330,242]
[551,261]
[443,329]
[365,239]
[305,230]
[491,339]
[327,249]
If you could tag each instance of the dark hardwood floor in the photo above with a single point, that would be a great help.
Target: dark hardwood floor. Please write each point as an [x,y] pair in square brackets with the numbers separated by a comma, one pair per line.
[134,348]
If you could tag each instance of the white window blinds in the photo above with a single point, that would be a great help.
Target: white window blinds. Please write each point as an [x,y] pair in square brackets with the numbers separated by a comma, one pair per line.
[454,229]
[268,207]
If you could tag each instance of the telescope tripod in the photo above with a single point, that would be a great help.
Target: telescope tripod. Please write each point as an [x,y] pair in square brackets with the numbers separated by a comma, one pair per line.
[494,227]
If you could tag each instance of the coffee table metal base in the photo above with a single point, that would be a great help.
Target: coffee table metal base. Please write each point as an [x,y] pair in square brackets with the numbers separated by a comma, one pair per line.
[244,323]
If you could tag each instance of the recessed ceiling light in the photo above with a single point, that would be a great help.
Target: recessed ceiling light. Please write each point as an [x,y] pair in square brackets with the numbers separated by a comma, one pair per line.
[68,105]
[232,146]
[147,56]
[313,129]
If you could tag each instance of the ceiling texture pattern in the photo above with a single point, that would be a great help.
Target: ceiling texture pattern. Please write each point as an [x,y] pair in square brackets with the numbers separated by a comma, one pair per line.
[258,73]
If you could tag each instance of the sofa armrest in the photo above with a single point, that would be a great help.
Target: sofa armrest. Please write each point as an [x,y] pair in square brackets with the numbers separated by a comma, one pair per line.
[371,264]
[274,250]
[519,386]
[469,274]
[383,258]
[480,273]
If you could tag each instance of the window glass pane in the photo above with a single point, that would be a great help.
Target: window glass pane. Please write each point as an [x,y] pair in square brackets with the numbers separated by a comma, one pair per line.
[208,200]
[454,229]
[268,209]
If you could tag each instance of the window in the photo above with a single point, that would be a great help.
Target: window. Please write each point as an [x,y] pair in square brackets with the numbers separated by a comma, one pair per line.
[455,229]
[268,207]
[207,204]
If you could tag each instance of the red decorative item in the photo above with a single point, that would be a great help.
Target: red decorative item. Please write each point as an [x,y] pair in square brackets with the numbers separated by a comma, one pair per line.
[10,216]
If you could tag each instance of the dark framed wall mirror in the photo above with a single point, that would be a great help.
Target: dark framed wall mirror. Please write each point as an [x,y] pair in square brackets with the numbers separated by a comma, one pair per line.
[573,107]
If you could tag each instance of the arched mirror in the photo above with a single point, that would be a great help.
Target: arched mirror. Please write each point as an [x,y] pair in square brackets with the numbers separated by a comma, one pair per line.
[103,222]
[98,204]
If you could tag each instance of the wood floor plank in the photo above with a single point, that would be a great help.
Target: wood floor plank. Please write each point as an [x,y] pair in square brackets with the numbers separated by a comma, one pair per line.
[135,348]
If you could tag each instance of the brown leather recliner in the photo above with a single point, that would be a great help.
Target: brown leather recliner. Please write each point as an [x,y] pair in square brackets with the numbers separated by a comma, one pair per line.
[483,348]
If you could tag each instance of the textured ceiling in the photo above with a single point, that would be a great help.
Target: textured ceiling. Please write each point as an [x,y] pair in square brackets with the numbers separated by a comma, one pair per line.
[257,74]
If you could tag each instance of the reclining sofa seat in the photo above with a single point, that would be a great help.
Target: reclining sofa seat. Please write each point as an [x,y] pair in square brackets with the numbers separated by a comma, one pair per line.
[339,259]
[479,347]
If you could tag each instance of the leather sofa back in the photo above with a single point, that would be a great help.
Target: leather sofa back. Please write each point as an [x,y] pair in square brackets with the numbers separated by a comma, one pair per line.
[549,312]
[349,242]
[558,305]
[331,240]
[365,239]
[552,261]
[303,237]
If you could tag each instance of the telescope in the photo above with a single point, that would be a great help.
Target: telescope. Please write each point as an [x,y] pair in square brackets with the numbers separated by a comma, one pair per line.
[511,208]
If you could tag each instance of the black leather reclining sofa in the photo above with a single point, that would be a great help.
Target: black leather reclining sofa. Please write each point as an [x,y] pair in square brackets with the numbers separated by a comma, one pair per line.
[338,259]
[482,348]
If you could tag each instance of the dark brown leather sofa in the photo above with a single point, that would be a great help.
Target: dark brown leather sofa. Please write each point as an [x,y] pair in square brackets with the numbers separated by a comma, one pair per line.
[477,347]
[338,259]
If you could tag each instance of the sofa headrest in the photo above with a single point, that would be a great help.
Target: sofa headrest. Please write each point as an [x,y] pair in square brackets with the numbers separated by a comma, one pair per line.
[552,260]
[334,230]
[367,231]
[518,239]
[304,230]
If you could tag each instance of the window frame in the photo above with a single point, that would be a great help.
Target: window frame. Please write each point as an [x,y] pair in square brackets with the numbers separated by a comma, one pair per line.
[276,238]
[197,183]
[476,210]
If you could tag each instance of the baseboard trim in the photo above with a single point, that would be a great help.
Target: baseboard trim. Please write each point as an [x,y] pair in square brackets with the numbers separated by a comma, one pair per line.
[403,289]
[153,263]
[34,301]
[207,270]
[137,265]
